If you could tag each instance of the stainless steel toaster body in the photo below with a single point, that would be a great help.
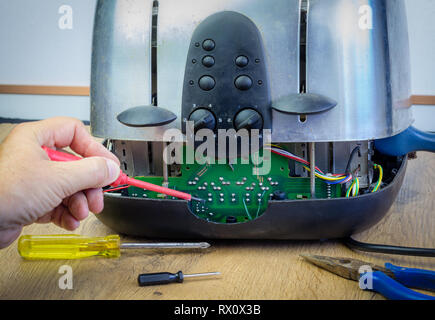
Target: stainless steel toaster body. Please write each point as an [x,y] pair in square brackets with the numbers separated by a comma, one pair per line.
[365,68]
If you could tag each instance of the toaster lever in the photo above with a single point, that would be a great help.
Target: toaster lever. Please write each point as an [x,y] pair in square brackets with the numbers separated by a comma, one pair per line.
[304,103]
[146,116]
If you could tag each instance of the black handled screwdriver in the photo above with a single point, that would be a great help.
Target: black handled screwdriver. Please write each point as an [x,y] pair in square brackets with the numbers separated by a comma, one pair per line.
[152,279]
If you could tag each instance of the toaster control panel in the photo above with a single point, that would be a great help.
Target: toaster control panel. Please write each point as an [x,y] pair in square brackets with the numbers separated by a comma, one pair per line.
[226,84]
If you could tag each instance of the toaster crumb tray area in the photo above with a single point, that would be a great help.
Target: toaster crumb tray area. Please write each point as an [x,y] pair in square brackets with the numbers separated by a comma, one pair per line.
[235,194]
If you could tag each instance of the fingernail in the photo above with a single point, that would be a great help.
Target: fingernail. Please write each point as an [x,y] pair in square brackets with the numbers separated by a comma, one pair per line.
[75,224]
[113,169]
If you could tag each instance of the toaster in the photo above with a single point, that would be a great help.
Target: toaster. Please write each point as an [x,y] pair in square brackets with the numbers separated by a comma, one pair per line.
[322,85]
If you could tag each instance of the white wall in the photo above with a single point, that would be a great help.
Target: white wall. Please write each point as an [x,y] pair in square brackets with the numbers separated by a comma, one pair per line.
[421,22]
[35,107]
[33,50]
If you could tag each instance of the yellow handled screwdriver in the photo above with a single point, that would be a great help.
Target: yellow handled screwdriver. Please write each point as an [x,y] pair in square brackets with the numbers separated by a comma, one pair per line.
[72,246]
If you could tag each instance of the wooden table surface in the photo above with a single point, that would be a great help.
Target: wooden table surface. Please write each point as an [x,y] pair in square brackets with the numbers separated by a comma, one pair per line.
[250,269]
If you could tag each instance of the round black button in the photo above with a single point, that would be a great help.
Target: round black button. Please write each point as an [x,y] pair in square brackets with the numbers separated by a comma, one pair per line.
[208,61]
[208,45]
[206,83]
[242,61]
[243,83]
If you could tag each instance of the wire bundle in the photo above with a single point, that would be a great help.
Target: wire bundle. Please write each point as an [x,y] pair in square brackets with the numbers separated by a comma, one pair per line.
[354,188]
[329,179]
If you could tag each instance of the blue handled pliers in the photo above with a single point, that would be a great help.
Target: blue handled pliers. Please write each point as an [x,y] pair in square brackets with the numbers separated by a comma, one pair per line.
[390,281]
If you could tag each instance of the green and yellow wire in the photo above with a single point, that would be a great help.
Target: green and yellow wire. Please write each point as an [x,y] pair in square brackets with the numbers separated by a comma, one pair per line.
[381,176]
[354,188]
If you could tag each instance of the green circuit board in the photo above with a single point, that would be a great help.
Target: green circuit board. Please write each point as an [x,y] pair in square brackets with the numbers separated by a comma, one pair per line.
[235,194]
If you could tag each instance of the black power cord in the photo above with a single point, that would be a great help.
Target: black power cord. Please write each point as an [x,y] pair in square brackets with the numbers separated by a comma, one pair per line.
[381,248]
[354,152]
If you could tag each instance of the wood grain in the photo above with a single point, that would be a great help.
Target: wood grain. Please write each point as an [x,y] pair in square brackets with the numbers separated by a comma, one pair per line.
[45,90]
[250,269]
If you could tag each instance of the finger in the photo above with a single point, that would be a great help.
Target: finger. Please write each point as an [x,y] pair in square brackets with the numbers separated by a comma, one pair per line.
[61,217]
[9,235]
[95,200]
[69,132]
[46,218]
[89,173]
[68,222]
[78,206]
[56,216]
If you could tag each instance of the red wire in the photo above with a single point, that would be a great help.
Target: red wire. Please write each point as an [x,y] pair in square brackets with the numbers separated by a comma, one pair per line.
[116,189]
[296,159]
[305,162]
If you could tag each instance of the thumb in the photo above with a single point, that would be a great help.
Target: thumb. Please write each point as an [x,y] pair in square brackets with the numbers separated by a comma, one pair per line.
[88,173]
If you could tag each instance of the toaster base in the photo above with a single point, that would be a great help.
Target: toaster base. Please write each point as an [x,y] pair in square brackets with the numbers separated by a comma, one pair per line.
[283,220]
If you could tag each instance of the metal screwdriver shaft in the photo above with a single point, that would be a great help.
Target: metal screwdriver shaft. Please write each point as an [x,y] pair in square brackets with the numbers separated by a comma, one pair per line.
[312,147]
[168,245]
[197,275]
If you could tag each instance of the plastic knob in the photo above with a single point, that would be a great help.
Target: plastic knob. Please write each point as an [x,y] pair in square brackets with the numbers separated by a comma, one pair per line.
[203,119]
[248,119]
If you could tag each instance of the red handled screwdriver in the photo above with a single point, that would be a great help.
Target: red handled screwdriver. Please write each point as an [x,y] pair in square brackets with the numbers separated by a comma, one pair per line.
[123,179]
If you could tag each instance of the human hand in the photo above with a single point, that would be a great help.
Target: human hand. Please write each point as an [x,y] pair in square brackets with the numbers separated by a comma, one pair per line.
[35,189]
